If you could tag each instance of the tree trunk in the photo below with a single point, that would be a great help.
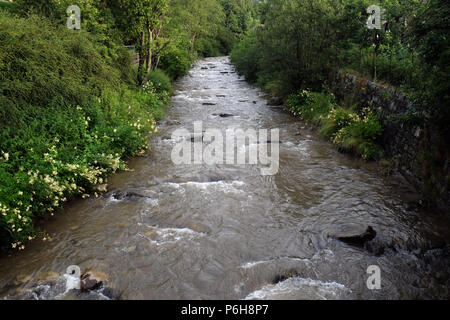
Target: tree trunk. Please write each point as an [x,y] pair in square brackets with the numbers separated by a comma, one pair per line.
[150,51]
[193,42]
[142,57]
[157,62]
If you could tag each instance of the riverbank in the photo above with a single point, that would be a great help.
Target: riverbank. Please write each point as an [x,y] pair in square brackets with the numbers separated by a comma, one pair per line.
[71,116]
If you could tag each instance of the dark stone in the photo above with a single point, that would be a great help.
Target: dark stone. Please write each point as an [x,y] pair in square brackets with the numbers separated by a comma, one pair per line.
[208,104]
[376,248]
[93,280]
[284,276]
[275,101]
[130,194]
[361,239]
[173,123]
[223,115]
[269,142]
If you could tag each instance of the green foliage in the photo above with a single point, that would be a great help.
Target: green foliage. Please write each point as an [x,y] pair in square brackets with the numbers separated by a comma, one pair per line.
[245,57]
[67,119]
[208,47]
[429,35]
[395,64]
[160,81]
[239,18]
[8,6]
[53,9]
[294,46]
[175,61]
[33,72]
[349,131]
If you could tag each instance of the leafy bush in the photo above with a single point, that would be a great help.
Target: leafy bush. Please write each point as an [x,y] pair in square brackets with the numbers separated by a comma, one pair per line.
[394,64]
[41,64]
[160,81]
[359,135]
[54,9]
[175,61]
[245,56]
[348,130]
[207,47]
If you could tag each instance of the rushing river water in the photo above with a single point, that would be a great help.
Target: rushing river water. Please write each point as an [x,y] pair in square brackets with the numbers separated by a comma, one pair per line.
[166,231]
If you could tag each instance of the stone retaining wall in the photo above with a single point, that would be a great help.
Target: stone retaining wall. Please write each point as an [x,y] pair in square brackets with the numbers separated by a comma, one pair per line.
[408,145]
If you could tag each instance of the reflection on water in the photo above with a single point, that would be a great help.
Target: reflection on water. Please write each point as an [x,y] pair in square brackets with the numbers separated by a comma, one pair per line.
[226,232]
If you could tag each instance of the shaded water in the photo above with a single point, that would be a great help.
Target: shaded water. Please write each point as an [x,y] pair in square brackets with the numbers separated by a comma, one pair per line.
[226,232]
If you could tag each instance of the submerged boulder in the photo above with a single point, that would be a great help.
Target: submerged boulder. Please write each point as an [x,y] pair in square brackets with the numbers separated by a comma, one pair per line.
[49,277]
[359,239]
[223,115]
[132,193]
[22,278]
[92,280]
[284,276]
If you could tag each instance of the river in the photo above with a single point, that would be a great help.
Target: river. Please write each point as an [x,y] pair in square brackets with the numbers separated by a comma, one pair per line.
[166,231]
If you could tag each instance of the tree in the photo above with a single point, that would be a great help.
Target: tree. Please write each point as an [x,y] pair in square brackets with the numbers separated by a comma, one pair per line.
[428,34]
[200,18]
[142,21]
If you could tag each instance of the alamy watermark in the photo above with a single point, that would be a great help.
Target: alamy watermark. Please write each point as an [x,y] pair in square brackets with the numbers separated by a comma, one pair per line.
[374,21]
[374,280]
[236,146]
[74,20]
[73,277]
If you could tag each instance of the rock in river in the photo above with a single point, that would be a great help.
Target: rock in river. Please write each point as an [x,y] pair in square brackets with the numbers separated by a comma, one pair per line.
[22,278]
[92,280]
[359,239]
[275,101]
[223,115]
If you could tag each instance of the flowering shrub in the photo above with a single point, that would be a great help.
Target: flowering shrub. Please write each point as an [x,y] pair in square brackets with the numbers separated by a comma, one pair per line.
[360,135]
[348,130]
[67,154]
[67,120]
